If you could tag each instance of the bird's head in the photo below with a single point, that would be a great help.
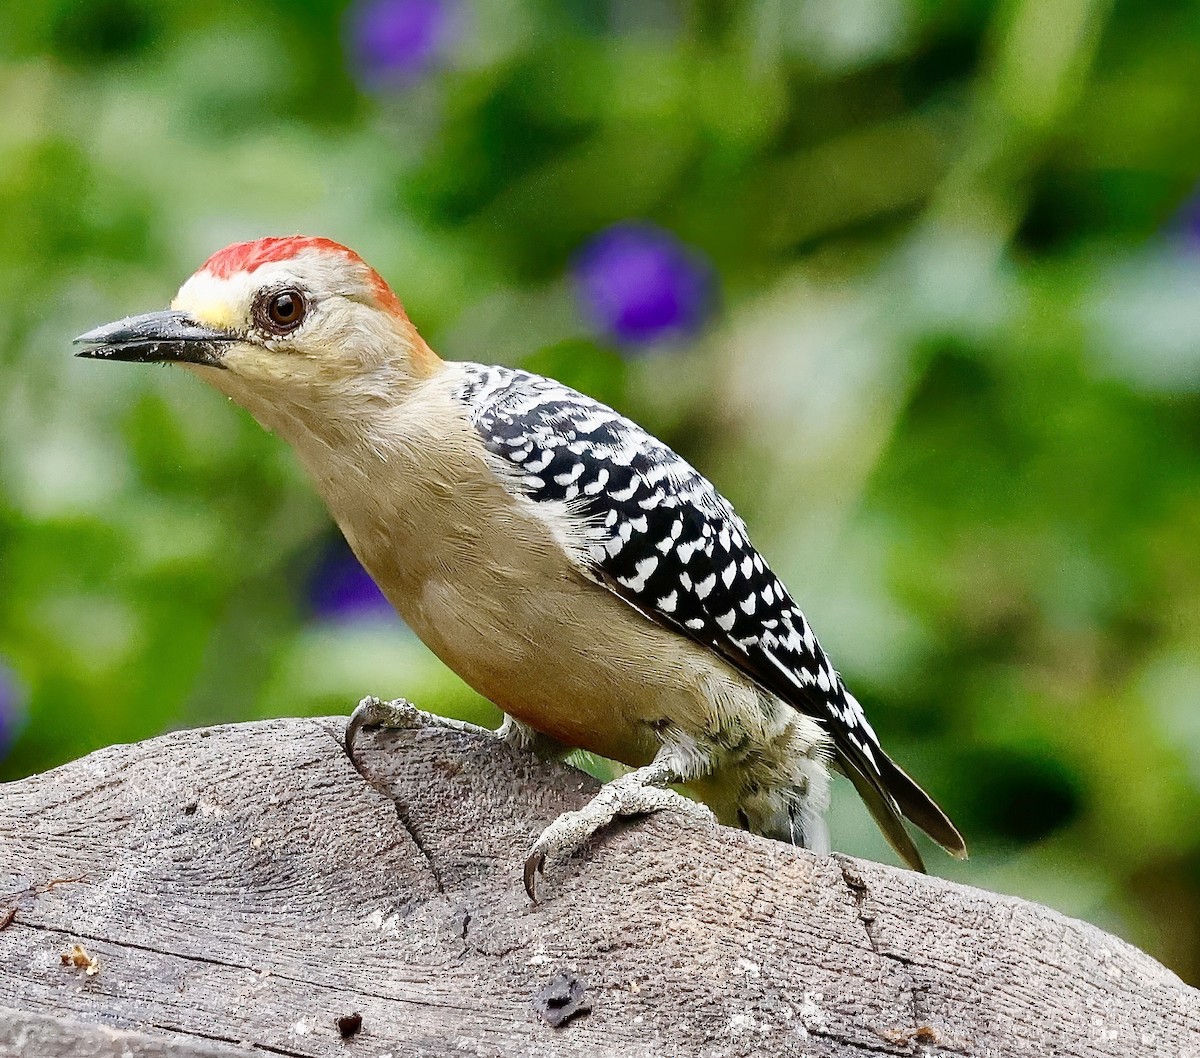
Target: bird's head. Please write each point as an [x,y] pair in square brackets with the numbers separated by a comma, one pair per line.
[278,322]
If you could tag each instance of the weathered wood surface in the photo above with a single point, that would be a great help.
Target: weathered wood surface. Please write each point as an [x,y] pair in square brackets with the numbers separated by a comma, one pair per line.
[242,887]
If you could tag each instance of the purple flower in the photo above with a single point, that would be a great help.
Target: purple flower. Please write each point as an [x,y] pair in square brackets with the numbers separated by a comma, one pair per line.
[341,590]
[12,708]
[1186,225]
[639,285]
[393,43]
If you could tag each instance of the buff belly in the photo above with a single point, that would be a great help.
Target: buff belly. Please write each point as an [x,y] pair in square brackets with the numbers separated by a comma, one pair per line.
[576,663]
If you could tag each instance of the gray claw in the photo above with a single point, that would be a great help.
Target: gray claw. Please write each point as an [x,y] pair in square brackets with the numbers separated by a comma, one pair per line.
[357,721]
[535,864]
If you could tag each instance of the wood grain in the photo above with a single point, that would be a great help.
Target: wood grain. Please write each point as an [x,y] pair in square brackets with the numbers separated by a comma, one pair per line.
[244,887]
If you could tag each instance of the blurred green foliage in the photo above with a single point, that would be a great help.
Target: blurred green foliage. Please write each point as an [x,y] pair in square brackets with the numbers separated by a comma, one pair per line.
[954,385]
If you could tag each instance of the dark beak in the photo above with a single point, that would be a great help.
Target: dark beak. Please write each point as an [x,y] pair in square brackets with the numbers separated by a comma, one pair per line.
[173,337]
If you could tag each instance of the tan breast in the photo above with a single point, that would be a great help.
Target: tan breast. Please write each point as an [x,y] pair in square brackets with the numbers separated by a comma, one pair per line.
[489,589]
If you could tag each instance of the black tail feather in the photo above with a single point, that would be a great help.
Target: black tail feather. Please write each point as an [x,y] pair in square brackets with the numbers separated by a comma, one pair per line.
[891,794]
[884,811]
[918,806]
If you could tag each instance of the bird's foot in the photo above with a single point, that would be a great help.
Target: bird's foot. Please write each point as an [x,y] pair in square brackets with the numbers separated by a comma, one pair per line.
[398,714]
[627,796]
[525,739]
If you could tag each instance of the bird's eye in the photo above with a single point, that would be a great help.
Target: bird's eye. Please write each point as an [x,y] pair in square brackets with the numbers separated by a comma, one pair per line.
[283,311]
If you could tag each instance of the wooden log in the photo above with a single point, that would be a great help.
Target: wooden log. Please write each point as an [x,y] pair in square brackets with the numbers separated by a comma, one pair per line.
[244,887]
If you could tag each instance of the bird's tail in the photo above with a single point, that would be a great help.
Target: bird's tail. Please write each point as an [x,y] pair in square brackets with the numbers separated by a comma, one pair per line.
[891,796]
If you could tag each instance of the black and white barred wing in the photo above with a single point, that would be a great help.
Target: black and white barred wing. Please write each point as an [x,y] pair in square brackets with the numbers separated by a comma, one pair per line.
[659,534]
[653,530]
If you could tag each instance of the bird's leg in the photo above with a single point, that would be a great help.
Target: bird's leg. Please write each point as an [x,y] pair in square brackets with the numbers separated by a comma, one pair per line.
[398,714]
[523,737]
[638,792]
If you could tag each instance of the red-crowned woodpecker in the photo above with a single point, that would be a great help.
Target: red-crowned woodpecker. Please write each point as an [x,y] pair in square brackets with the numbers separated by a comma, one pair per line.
[566,564]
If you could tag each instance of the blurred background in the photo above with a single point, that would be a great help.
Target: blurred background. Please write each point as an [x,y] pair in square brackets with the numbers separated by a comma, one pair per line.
[916,283]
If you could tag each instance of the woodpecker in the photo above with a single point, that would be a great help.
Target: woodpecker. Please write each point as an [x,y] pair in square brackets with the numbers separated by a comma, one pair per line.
[566,564]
